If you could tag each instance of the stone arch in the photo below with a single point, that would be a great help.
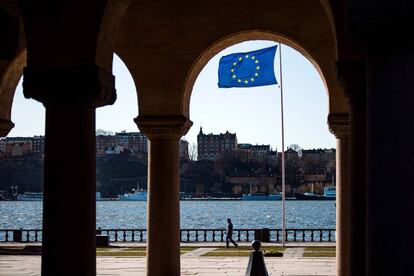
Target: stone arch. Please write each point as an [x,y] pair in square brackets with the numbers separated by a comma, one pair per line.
[109,26]
[97,50]
[233,39]
[165,45]
[10,77]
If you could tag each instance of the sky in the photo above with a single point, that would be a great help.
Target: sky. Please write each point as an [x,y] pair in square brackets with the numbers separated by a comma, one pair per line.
[252,113]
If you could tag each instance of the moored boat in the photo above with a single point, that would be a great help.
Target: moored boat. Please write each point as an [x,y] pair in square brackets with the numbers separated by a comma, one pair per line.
[30,196]
[277,196]
[329,193]
[137,195]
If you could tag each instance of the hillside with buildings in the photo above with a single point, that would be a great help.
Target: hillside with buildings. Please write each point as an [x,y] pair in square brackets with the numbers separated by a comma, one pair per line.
[217,166]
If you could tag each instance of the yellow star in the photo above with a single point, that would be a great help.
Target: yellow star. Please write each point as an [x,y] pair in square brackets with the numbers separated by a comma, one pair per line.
[235,63]
[247,56]
[234,76]
[257,61]
[231,70]
[239,80]
[257,67]
[246,81]
[253,57]
[240,58]
[252,79]
[256,74]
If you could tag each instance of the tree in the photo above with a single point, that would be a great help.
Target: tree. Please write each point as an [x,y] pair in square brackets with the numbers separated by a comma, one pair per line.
[103,132]
[192,151]
[296,148]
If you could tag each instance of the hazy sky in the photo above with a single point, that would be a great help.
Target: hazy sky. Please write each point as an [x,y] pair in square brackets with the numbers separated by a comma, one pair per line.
[253,113]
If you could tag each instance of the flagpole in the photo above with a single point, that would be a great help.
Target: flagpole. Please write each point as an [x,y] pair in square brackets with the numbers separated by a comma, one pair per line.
[283,150]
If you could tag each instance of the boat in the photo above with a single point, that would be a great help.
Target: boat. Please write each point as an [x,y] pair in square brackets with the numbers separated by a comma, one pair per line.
[30,196]
[329,193]
[98,197]
[136,195]
[277,196]
[38,196]
[261,196]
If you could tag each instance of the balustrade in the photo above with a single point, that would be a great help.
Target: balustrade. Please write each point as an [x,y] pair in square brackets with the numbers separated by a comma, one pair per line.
[186,235]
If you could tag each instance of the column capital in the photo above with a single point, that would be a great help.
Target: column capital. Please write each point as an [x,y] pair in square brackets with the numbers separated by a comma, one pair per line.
[163,127]
[352,77]
[5,127]
[85,85]
[339,124]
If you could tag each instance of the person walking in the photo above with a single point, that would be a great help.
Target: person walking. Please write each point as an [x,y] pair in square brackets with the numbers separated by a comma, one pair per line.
[229,233]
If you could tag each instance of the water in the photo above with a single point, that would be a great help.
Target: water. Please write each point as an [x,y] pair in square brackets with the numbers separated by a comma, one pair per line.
[194,214]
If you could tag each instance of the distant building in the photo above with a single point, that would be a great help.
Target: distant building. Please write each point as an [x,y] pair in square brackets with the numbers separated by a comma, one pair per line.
[254,184]
[17,146]
[134,141]
[319,159]
[114,150]
[210,146]
[255,153]
[184,150]
[271,157]
[103,142]
[315,176]
[38,145]
[290,155]
[2,144]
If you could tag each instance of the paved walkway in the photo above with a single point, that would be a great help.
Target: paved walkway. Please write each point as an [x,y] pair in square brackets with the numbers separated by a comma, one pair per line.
[292,263]
[198,252]
[295,252]
[207,266]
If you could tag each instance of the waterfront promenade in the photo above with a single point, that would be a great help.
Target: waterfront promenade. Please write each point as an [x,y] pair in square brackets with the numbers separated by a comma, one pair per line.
[207,266]
[192,262]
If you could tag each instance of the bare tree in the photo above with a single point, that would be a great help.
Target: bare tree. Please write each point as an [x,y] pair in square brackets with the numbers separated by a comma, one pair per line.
[296,148]
[103,132]
[192,151]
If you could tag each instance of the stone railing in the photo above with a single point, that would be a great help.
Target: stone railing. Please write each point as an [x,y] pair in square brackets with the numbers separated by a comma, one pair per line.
[189,235]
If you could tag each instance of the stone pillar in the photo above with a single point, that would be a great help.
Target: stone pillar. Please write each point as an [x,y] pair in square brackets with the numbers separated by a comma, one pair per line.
[390,193]
[339,126]
[352,77]
[163,226]
[390,130]
[70,96]
[5,127]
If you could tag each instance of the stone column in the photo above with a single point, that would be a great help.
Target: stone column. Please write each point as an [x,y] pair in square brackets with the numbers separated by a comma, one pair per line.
[70,96]
[352,77]
[339,126]
[5,127]
[390,130]
[163,226]
[390,193]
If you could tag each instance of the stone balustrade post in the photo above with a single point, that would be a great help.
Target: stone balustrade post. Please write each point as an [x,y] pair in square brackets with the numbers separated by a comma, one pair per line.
[163,235]
[70,95]
[339,126]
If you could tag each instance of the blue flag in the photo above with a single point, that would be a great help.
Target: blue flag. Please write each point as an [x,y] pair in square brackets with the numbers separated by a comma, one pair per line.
[248,69]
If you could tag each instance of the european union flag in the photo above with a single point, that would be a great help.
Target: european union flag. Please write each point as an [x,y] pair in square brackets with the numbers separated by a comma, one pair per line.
[248,69]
